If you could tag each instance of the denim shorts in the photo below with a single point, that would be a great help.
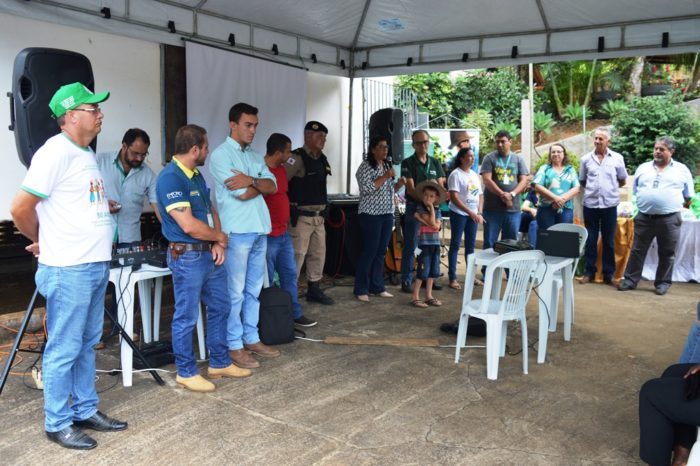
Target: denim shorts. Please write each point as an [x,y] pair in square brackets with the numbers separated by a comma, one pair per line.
[428,262]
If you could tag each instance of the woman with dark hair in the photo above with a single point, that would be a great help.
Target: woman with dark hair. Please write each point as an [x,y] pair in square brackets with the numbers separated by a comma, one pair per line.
[466,204]
[375,177]
[556,183]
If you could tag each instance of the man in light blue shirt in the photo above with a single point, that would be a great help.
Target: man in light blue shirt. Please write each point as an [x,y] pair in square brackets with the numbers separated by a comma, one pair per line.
[662,187]
[241,176]
[602,173]
[128,181]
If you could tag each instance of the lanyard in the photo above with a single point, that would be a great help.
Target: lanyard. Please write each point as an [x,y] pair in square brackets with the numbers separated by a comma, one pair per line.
[504,166]
[426,169]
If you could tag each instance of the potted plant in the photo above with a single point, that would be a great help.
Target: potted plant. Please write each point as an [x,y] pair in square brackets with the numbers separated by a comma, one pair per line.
[656,79]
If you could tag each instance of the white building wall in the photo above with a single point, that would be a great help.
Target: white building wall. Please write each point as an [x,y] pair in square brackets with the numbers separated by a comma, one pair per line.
[128,68]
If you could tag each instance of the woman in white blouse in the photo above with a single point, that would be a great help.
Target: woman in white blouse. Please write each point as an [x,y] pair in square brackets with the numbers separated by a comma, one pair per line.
[466,204]
[375,176]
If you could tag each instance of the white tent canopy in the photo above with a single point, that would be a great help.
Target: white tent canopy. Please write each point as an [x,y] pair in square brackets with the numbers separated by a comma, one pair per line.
[362,38]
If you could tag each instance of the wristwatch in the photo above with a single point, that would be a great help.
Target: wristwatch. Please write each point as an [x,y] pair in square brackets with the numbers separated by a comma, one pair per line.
[254,184]
[512,194]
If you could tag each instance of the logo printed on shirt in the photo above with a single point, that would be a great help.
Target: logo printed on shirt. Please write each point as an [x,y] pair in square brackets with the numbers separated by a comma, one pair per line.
[174,195]
[194,192]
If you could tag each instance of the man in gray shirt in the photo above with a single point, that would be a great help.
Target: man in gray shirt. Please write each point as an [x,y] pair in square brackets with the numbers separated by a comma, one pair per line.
[505,176]
[127,182]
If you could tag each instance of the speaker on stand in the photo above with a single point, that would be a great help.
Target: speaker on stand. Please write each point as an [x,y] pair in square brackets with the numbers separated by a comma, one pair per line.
[388,123]
[36,75]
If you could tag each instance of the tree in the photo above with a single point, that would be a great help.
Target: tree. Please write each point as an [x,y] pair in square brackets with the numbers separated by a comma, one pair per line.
[434,93]
[498,92]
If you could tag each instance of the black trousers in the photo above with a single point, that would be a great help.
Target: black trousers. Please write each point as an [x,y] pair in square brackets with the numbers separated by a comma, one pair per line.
[666,418]
[666,230]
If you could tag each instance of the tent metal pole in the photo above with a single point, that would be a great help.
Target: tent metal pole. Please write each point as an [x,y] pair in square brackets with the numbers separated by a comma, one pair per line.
[348,173]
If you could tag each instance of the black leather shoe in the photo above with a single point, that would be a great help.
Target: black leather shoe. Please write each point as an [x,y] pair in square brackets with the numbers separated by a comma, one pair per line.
[406,287]
[101,422]
[662,289]
[72,437]
[626,285]
[436,285]
[608,279]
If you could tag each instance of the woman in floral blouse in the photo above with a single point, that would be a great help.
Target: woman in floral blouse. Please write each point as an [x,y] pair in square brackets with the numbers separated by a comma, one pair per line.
[375,176]
[556,183]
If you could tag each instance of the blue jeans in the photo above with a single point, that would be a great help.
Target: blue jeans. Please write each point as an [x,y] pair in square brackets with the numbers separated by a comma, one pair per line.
[460,224]
[245,264]
[280,258]
[548,216]
[195,279]
[75,306]
[428,262]
[410,241]
[506,224]
[603,221]
[375,231]
[691,351]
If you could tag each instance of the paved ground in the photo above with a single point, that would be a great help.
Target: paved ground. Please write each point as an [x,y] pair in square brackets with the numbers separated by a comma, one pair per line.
[364,405]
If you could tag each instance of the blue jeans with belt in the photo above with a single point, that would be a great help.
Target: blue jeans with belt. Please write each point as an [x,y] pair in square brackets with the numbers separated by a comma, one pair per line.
[75,305]
[196,278]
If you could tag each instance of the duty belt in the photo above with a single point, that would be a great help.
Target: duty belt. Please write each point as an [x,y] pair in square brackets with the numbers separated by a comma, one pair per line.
[177,249]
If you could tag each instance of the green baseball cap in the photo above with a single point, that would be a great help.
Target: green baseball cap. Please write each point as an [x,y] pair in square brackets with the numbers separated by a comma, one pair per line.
[70,96]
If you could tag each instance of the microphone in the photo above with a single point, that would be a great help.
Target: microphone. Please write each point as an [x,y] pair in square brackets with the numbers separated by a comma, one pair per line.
[389,165]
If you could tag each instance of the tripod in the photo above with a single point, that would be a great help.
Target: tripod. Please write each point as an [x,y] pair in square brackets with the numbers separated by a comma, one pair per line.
[23,328]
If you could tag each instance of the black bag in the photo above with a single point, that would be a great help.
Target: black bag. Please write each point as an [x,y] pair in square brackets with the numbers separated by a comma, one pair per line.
[475,327]
[276,323]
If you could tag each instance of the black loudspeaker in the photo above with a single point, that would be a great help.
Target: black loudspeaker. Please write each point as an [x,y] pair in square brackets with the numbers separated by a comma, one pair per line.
[388,123]
[36,76]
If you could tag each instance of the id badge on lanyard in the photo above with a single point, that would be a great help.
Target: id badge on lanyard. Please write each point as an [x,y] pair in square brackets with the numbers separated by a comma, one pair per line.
[210,220]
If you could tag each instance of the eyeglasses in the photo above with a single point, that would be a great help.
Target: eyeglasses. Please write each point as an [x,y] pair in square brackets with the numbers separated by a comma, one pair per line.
[89,109]
[420,143]
[141,155]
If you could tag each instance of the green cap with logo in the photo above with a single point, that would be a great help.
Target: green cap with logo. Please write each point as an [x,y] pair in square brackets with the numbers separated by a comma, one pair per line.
[70,96]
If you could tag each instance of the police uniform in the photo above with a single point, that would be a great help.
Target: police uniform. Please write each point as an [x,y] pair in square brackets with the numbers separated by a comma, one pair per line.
[307,174]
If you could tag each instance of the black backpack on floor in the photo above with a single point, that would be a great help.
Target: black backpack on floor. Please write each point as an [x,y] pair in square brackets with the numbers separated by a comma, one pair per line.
[276,323]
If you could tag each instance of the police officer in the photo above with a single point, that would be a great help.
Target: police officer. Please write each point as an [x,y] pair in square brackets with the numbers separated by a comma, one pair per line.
[307,170]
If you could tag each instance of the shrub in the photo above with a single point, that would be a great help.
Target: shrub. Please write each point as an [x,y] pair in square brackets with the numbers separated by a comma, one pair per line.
[575,112]
[512,128]
[542,123]
[482,120]
[498,92]
[573,160]
[612,108]
[434,93]
[648,118]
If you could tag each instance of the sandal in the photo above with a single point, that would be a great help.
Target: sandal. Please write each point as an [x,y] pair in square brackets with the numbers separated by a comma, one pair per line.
[455,285]
[419,303]
[433,302]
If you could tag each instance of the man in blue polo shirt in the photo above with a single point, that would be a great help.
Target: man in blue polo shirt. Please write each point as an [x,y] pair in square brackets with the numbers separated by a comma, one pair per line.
[195,254]
[241,177]
[661,186]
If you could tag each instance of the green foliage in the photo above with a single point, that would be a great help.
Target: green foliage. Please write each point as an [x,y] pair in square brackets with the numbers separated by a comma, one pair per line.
[543,122]
[442,155]
[612,108]
[575,112]
[573,161]
[482,120]
[648,118]
[498,92]
[434,92]
[512,128]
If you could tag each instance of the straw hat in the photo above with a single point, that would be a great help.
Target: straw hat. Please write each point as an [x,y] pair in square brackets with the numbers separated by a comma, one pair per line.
[433,184]
[456,137]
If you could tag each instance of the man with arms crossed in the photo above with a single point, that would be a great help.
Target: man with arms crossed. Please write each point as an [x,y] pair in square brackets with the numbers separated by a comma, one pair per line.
[195,255]
[63,209]
[241,177]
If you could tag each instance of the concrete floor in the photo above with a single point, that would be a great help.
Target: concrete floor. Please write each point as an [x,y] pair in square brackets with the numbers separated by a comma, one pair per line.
[365,405]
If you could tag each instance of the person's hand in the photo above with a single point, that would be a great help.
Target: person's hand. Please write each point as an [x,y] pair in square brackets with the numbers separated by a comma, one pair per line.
[33,248]
[222,240]
[218,254]
[114,206]
[693,370]
[506,197]
[238,180]
[559,202]
[474,216]
[390,173]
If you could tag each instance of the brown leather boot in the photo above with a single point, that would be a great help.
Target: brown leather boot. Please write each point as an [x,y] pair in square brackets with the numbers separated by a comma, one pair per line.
[261,349]
[242,358]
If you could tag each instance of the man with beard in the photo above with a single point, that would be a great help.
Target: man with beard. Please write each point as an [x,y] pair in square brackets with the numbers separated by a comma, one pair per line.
[127,182]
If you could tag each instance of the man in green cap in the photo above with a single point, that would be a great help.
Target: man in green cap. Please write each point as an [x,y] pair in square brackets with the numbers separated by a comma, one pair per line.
[62,207]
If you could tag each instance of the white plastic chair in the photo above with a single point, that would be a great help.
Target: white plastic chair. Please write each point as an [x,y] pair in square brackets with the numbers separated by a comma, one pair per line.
[499,309]
[558,281]
[694,458]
